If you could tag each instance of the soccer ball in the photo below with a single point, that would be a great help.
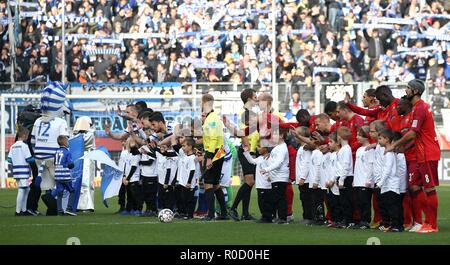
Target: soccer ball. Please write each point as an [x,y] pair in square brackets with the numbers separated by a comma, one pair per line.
[165,216]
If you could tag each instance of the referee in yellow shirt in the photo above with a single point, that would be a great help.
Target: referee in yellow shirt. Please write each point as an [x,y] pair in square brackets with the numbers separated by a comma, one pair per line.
[213,140]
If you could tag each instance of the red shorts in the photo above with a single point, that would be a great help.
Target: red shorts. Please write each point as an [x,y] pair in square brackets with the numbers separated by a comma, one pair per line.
[425,174]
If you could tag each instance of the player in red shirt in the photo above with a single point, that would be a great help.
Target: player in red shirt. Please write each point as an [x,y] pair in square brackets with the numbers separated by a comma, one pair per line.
[353,122]
[388,105]
[428,152]
[413,202]
[331,111]
[370,101]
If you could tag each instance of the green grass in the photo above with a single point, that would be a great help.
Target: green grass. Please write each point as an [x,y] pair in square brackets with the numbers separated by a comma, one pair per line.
[103,227]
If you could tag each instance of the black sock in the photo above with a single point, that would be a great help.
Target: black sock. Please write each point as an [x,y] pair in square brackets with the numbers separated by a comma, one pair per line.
[239,196]
[246,200]
[221,199]
[210,202]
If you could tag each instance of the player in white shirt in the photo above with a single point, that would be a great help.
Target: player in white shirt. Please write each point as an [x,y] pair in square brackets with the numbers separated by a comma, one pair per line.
[332,185]
[363,179]
[124,192]
[278,170]
[160,128]
[187,178]
[345,174]
[19,157]
[167,162]
[302,164]
[149,178]
[262,182]
[389,184]
[133,179]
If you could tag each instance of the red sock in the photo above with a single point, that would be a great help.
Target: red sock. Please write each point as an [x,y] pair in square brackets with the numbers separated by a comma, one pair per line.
[432,206]
[376,212]
[289,197]
[418,202]
[407,211]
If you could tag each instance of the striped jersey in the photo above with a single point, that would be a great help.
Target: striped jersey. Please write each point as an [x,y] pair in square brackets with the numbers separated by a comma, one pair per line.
[170,127]
[63,159]
[45,134]
[18,155]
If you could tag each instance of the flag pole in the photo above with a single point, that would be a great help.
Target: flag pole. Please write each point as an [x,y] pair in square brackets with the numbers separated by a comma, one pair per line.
[63,37]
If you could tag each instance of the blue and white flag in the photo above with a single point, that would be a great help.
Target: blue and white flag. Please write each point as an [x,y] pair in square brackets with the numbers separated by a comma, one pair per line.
[111,176]
[76,147]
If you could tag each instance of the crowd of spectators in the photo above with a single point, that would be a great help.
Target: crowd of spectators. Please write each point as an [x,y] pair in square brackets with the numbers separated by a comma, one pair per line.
[310,34]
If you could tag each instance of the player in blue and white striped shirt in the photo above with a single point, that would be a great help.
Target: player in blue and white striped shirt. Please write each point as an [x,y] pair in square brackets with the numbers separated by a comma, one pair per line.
[63,179]
[20,158]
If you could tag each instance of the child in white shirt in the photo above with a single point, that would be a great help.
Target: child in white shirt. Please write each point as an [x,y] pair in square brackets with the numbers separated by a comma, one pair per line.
[262,182]
[20,157]
[302,165]
[187,178]
[315,171]
[331,184]
[167,161]
[363,179]
[132,178]
[389,184]
[345,175]
[278,169]
[402,173]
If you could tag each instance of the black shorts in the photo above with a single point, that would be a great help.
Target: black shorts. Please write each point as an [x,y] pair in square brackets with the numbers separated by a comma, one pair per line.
[247,168]
[213,175]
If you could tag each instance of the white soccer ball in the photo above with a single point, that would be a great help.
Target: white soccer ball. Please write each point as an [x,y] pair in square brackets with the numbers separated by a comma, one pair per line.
[165,216]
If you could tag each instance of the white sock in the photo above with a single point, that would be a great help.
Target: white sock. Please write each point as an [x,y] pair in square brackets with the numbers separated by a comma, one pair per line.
[25,198]
[225,194]
[20,193]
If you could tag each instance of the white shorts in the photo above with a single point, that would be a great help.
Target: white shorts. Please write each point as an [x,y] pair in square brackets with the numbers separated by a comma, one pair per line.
[225,178]
[22,183]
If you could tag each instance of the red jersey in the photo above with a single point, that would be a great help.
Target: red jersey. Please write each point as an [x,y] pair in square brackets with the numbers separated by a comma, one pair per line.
[368,119]
[353,124]
[426,141]
[312,126]
[378,113]
[403,127]
[265,124]
[338,124]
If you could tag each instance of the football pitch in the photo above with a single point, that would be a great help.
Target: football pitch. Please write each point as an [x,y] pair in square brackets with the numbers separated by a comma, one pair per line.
[104,227]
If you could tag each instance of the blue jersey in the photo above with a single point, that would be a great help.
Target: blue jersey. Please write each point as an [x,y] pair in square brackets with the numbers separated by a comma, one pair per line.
[63,159]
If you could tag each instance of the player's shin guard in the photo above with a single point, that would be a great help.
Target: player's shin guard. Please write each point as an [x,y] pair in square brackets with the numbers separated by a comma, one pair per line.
[418,205]
[407,209]
[289,197]
[432,207]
